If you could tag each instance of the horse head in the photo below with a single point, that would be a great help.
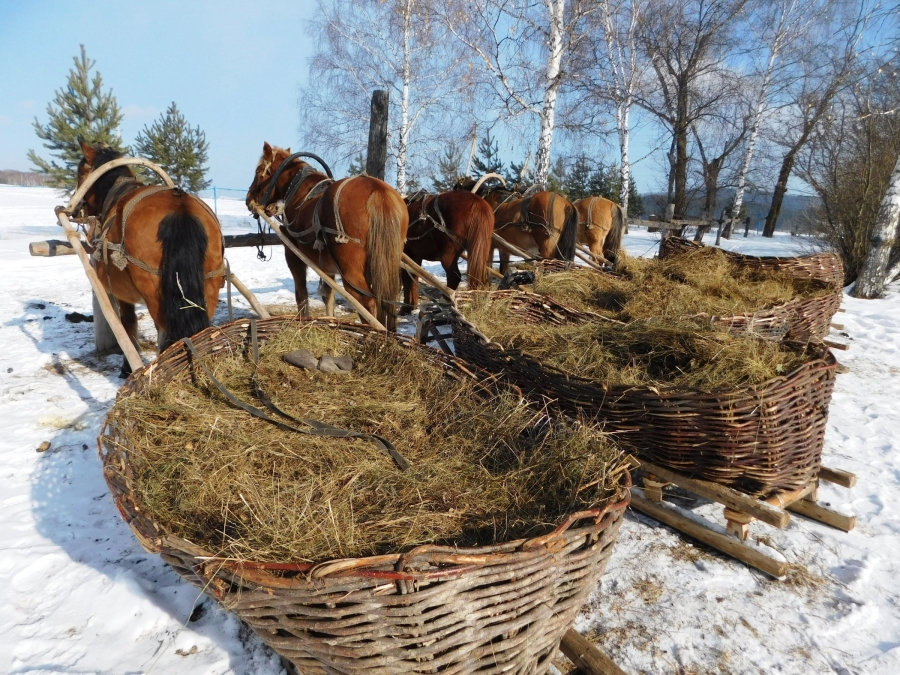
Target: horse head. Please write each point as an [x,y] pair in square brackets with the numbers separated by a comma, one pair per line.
[95,156]
[271,159]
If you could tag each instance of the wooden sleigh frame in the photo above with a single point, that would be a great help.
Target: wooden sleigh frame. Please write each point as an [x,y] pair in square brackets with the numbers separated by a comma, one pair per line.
[740,510]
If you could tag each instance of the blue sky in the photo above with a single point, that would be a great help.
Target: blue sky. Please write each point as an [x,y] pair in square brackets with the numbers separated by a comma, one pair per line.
[232,67]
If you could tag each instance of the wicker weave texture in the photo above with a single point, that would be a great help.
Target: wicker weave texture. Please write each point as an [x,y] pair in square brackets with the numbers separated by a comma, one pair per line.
[827,267]
[759,440]
[799,320]
[491,609]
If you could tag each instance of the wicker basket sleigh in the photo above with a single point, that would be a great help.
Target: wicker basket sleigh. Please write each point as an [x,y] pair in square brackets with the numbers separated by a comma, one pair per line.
[760,439]
[827,267]
[489,609]
[799,319]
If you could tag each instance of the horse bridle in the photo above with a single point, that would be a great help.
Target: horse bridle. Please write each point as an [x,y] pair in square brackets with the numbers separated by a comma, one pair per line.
[295,182]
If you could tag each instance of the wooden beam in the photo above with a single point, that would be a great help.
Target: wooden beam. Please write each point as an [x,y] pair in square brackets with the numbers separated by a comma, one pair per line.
[733,499]
[838,477]
[728,545]
[128,349]
[824,515]
[56,247]
[376,157]
[413,267]
[251,298]
[494,273]
[587,656]
[836,345]
[509,248]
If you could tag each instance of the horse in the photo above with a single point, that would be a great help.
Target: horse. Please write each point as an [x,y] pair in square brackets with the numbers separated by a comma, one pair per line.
[441,226]
[152,244]
[543,224]
[601,224]
[355,227]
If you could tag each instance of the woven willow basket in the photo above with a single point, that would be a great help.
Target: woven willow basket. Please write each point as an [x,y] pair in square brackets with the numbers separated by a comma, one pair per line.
[490,609]
[799,320]
[827,267]
[760,440]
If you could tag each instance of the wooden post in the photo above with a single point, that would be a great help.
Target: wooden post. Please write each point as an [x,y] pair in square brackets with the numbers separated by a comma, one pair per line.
[587,656]
[376,158]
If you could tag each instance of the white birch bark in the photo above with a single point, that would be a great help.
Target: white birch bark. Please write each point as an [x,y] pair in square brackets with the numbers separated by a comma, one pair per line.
[403,142]
[555,49]
[872,276]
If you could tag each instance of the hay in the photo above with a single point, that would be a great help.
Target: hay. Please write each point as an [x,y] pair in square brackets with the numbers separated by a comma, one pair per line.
[683,354]
[483,468]
[704,282]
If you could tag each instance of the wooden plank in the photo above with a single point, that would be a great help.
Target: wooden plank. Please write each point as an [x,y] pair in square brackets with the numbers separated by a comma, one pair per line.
[721,542]
[733,499]
[376,157]
[589,659]
[824,515]
[838,477]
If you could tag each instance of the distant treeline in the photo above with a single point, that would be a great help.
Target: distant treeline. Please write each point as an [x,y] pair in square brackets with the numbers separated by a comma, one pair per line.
[9,177]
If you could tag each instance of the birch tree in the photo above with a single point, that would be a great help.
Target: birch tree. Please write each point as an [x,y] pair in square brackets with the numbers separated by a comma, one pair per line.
[874,272]
[398,45]
[523,49]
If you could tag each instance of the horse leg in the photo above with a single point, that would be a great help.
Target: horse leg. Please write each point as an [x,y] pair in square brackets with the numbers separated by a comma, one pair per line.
[410,290]
[504,260]
[128,315]
[298,271]
[450,263]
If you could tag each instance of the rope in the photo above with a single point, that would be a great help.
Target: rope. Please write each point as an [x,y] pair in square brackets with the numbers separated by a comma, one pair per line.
[317,428]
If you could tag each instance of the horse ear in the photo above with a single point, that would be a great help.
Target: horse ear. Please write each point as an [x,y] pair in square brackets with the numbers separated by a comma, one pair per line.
[267,150]
[90,154]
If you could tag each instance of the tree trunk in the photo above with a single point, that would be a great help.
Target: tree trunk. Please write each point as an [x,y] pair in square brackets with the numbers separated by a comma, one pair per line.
[403,144]
[787,166]
[871,280]
[376,158]
[681,154]
[556,10]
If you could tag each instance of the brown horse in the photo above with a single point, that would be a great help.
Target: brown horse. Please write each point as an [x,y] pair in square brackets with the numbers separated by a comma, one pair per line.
[354,227]
[150,244]
[441,226]
[601,224]
[542,224]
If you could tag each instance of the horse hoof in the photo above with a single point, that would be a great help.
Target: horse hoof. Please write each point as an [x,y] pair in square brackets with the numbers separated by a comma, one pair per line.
[405,310]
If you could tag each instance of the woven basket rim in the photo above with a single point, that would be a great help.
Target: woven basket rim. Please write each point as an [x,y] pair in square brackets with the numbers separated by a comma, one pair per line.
[459,559]
[823,360]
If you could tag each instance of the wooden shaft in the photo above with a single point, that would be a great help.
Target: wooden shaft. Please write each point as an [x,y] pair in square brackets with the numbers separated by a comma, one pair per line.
[414,268]
[509,248]
[251,298]
[494,273]
[128,349]
[115,164]
[737,501]
[356,304]
[587,656]
[587,260]
[722,542]
[838,477]
[817,512]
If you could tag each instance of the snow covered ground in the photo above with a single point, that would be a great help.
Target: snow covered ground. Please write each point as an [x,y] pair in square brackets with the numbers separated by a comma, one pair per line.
[79,595]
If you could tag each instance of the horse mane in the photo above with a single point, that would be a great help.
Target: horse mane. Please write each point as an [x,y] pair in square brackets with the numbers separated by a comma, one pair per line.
[106,154]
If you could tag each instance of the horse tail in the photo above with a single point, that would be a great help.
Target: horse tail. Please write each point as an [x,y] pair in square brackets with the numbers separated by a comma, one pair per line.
[183,300]
[566,244]
[384,246]
[478,240]
[613,241]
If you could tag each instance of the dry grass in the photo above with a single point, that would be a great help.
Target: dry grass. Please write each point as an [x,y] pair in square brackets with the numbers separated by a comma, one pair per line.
[483,468]
[699,283]
[684,354]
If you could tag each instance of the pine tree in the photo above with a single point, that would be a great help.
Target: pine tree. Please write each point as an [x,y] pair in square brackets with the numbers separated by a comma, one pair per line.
[178,148]
[515,176]
[449,168]
[488,159]
[576,184]
[357,166]
[557,176]
[80,110]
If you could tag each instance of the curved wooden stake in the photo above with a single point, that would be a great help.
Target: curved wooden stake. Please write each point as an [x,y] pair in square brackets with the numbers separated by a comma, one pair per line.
[356,304]
[112,318]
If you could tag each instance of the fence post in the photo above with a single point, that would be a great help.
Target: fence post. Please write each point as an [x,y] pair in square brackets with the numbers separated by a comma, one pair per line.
[215,202]
[376,158]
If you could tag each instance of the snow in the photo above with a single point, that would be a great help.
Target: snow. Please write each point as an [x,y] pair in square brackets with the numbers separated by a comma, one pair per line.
[79,594]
